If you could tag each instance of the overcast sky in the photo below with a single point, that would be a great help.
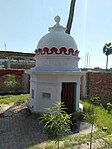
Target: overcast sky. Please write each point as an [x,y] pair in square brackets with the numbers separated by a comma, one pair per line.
[24,22]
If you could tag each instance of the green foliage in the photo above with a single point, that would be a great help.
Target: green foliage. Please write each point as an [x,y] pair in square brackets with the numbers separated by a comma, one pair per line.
[9,81]
[57,121]
[102,117]
[94,100]
[13,98]
[108,142]
[90,117]
[109,107]
[89,112]
[107,50]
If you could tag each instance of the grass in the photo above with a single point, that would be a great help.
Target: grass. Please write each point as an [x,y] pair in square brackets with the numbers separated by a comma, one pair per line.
[103,118]
[7,99]
[74,140]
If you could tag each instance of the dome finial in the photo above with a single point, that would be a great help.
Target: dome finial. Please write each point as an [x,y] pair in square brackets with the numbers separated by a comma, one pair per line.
[57,26]
[57,19]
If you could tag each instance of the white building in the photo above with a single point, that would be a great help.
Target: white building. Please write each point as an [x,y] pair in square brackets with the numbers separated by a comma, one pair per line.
[56,76]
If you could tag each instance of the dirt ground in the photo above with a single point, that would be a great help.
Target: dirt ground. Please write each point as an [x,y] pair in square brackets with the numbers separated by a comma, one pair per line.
[19,129]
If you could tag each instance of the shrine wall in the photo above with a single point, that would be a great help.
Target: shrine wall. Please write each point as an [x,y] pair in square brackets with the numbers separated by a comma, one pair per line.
[94,83]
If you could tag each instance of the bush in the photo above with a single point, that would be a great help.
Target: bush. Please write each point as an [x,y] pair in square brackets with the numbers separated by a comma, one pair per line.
[109,108]
[57,121]
[9,82]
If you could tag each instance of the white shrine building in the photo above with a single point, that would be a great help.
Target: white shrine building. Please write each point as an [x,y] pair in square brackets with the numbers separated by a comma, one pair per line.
[56,76]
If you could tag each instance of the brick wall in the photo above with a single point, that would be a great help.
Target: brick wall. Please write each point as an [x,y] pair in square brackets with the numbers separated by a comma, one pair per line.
[92,83]
[22,80]
[99,84]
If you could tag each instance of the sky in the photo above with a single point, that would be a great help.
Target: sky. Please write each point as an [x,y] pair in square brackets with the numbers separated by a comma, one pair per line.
[24,22]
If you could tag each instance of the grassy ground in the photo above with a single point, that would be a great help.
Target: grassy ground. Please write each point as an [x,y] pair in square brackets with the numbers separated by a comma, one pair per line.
[101,139]
[76,141]
[102,117]
[8,99]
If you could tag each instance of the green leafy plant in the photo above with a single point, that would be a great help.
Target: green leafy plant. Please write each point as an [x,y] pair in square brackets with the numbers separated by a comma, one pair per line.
[109,107]
[57,121]
[95,101]
[9,81]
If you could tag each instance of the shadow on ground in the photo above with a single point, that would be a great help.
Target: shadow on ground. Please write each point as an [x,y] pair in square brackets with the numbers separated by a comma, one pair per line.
[19,129]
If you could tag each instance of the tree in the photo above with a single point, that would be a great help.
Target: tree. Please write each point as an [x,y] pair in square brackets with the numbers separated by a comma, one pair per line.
[71,15]
[57,121]
[107,50]
[9,82]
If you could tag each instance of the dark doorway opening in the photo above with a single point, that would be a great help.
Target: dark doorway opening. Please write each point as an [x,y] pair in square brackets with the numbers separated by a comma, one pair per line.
[68,96]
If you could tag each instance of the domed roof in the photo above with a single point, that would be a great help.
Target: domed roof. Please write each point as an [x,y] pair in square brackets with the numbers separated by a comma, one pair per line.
[56,51]
[57,38]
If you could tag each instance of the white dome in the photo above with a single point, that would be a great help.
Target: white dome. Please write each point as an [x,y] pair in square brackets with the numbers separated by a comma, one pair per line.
[57,39]
[57,50]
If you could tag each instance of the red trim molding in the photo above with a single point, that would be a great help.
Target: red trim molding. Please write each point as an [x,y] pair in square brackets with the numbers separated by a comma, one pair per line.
[54,50]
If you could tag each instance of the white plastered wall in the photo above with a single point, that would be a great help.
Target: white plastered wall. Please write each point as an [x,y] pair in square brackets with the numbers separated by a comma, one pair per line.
[57,63]
[44,84]
[50,83]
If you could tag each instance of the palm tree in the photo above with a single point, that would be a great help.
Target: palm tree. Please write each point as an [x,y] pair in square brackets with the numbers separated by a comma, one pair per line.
[107,50]
[71,15]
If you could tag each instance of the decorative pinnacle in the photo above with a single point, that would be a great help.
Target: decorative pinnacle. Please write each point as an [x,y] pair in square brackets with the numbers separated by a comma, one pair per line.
[57,26]
[57,19]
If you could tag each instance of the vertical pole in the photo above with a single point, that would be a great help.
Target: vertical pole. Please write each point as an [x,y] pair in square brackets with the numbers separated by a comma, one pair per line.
[71,15]
[5,46]
[107,63]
